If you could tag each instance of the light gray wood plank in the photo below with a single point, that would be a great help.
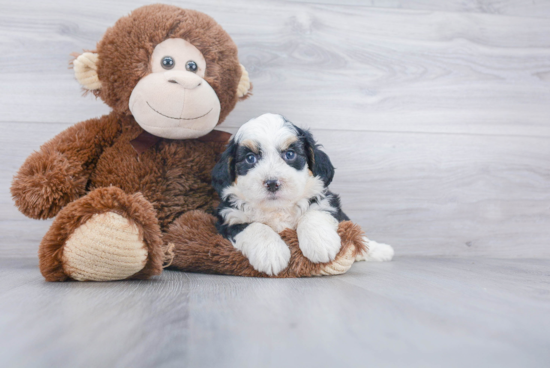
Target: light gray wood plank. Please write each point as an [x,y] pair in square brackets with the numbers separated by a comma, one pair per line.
[356,68]
[446,194]
[426,194]
[418,312]
[522,8]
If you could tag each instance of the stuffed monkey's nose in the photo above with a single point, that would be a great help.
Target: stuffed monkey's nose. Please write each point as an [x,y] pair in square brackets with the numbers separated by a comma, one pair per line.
[185,79]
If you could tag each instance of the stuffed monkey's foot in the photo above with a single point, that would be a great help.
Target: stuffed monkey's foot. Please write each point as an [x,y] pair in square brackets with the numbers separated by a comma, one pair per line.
[352,244]
[375,252]
[106,247]
[340,265]
[103,236]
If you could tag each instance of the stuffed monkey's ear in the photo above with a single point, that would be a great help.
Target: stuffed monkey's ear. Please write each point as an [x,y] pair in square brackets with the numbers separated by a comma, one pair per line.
[85,71]
[244,84]
[318,161]
[223,174]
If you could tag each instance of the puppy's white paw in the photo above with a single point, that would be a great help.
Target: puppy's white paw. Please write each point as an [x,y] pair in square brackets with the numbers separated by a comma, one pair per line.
[377,252]
[264,248]
[318,236]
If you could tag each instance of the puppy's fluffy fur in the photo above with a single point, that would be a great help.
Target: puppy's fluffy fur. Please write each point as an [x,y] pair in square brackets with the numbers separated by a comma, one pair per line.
[274,176]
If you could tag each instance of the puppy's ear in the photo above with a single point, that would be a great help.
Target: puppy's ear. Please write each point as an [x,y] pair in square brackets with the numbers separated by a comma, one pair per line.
[223,174]
[317,160]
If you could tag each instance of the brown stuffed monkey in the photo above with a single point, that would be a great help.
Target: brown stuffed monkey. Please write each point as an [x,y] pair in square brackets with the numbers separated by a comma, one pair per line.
[131,190]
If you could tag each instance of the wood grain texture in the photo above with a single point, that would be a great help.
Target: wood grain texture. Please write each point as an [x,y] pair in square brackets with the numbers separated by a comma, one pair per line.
[414,312]
[368,68]
[435,113]
[522,8]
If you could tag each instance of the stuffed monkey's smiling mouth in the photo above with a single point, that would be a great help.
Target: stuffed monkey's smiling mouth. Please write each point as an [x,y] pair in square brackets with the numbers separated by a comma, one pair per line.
[170,117]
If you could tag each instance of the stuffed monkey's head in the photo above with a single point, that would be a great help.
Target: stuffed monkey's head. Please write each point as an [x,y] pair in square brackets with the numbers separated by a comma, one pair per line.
[175,70]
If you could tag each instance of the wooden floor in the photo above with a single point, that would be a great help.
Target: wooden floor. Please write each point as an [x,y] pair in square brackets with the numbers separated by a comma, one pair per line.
[414,312]
[437,117]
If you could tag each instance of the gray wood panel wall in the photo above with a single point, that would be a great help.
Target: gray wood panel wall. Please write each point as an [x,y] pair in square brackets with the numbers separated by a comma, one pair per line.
[436,114]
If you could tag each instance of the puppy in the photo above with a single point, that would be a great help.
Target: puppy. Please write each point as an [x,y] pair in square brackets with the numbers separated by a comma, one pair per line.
[274,176]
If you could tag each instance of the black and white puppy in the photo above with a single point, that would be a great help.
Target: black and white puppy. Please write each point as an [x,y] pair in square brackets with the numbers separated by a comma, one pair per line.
[274,176]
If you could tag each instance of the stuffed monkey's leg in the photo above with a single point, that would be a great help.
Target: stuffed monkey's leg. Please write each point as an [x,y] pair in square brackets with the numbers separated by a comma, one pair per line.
[105,235]
[198,247]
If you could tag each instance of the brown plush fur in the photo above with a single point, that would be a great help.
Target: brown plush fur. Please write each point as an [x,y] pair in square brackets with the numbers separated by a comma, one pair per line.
[58,173]
[92,168]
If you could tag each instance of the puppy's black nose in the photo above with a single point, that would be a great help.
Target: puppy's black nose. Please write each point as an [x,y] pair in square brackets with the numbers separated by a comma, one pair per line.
[272,185]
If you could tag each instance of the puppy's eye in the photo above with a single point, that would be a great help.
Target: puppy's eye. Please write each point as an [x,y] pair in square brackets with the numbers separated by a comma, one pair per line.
[191,66]
[290,155]
[167,62]
[251,158]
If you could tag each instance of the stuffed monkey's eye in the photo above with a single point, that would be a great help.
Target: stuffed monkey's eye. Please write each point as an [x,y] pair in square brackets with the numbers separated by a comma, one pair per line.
[167,62]
[290,155]
[251,158]
[191,66]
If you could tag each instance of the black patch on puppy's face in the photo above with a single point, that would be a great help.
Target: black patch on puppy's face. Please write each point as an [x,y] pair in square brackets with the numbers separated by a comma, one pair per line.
[242,164]
[318,161]
[294,155]
[300,155]
[223,174]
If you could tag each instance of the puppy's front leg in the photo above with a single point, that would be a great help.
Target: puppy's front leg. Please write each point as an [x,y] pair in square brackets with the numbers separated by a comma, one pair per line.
[318,236]
[263,247]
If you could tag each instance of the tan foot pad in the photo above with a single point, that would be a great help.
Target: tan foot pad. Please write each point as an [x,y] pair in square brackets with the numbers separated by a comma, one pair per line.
[340,265]
[106,247]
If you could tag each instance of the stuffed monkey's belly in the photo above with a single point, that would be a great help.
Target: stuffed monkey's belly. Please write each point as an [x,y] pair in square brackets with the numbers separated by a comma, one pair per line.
[173,175]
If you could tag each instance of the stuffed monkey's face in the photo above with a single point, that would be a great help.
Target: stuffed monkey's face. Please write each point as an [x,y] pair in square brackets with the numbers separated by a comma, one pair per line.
[174,101]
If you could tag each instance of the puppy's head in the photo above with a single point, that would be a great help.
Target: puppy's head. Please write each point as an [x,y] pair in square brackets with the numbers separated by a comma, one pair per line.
[271,162]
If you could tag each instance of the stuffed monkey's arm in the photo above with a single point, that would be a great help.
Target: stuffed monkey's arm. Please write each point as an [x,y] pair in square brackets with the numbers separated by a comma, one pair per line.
[58,173]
